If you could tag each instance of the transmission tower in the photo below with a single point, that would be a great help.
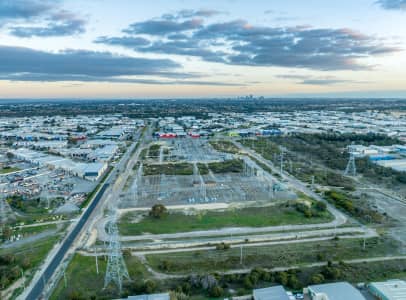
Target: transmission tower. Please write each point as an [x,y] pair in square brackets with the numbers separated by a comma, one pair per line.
[116,270]
[2,214]
[281,162]
[351,169]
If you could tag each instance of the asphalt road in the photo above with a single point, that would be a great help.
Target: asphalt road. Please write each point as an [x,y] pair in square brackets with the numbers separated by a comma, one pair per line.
[66,244]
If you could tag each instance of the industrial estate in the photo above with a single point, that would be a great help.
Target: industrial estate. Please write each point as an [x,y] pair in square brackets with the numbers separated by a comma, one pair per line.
[303,201]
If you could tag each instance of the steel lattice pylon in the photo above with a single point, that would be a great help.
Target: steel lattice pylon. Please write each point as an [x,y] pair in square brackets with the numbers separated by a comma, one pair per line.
[116,270]
[351,169]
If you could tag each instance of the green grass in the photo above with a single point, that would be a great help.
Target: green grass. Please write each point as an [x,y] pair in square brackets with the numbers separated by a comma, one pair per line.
[206,220]
[203,168]
[271,256]
[168,169]
[7,170]
[83,280]
[228,166]
[28,257]
[224,146]
[26,231]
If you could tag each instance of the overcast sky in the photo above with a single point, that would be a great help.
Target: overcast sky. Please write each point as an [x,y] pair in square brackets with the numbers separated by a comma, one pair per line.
[179,48]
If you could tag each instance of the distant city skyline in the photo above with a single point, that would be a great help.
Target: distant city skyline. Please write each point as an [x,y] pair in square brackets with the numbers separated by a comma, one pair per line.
[225,48]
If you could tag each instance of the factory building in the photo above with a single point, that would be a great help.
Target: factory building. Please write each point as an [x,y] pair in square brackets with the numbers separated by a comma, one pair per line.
[388,290]
[334,291]
[164,296]
[271,293]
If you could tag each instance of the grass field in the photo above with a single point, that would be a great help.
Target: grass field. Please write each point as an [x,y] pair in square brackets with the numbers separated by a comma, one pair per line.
[84,282]
[27,257]
[26,231]
[168,169]
[206,220]
[271,256]
[224,146]
[7,170]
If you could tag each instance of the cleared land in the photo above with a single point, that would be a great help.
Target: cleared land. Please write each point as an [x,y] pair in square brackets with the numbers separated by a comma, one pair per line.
[85,283]
[27,258]
[247,217]
[271,256]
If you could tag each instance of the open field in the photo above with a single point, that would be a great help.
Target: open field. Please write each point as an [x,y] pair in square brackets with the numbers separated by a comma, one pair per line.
[271,256]
[7,170]
[205,220]
[224,146]
[168,169]
[26,258]
[84,282]
[87,284]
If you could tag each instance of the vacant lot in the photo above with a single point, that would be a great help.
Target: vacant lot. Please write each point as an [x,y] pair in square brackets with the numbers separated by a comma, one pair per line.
[206,220]
[84,282]
[271,256]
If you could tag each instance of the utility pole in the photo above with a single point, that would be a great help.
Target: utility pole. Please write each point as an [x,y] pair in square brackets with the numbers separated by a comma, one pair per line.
[281,162]
[64,279]
[312,186]
[97,263]
[22,278]
[240,254]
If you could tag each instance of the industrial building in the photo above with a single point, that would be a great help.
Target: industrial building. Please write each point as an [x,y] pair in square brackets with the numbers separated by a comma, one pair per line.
[89,171]
[334,291]
[271,293]
[388,290]
[163,296]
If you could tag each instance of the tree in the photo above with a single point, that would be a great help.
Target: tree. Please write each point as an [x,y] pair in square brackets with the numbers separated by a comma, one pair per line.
[149,286]
[158,211]
[216,291]
[320,206]
[282,278]
[317,279]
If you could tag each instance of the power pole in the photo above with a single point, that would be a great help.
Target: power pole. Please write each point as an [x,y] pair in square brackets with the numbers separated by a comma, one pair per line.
[2,215]
[97,263]
[312,186]
[240,254]
[351,169]
[116,270]
[282,161]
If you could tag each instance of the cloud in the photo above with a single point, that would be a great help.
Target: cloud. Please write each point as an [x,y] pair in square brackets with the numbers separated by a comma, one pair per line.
[62,23]
[163,27]
[24,9]
[392,4]
[46,18]
[239,43]
[19,63]
[315,80]
[192,13]
[125,41]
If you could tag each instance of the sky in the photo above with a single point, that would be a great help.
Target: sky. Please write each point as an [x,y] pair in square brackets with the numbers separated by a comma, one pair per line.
[191,48]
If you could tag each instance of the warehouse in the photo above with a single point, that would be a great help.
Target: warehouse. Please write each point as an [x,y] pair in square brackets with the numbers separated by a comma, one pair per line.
[163,296]
[271,293]
[395,164]
[388,290]
[334,291]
